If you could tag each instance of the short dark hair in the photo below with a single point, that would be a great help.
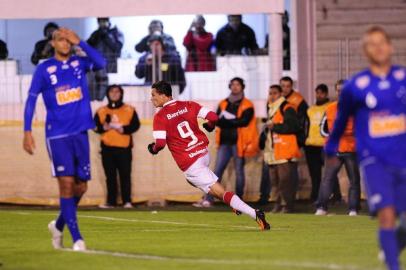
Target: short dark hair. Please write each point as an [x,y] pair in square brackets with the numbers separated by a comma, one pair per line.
[277,87]
[103,19]
[239,80]
[235,15]
[163,88]
[322,87]
[378,29]
[339,82]
[286,79]
[50,25]
[111,86]
[155,22]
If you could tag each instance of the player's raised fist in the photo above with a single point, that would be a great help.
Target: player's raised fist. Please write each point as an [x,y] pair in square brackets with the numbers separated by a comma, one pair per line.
[151,148]
[208,126]
[29,143]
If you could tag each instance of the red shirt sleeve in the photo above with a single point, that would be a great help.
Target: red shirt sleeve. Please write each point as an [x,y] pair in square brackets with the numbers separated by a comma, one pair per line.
[159,132]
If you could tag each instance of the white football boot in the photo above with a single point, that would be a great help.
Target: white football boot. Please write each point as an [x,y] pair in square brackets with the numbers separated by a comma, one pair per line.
[57,235]
[321,212]
[79,245]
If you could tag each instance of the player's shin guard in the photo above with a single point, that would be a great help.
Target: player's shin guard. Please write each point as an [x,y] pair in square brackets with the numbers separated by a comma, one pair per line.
[389,245]
[60,222]
[235,202]
[68,210]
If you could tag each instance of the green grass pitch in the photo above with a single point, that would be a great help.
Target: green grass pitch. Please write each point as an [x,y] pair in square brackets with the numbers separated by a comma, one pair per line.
[140,239]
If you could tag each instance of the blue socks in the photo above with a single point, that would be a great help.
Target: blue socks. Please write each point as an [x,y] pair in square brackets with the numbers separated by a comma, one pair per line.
[60,222]
[389,245]
[68,211]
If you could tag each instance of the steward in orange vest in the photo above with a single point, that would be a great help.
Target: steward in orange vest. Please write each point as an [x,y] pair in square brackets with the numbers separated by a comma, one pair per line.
[347,141]
[236,135]
[282,150]
[242,129]
[299,104]
[116,122]
[346,156]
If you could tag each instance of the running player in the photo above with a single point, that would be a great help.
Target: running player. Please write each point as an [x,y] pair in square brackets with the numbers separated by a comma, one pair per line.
[62,82]
[176,125]
[376,97]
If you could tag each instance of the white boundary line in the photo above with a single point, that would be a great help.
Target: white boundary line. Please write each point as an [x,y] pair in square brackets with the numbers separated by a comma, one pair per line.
[284,264]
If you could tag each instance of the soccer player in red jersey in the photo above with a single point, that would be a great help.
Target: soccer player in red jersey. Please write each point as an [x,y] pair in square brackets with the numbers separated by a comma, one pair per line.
[175,125]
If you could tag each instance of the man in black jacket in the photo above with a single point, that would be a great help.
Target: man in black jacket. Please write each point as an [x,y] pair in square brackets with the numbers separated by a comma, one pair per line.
[43,48]
[236,37]
[109,41]
[116,122]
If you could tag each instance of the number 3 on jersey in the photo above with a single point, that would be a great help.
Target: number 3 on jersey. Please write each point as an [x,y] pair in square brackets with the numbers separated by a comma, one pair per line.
[185,131]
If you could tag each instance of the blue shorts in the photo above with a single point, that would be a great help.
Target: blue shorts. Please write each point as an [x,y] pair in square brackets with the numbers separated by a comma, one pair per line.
[70,155]
[385,186]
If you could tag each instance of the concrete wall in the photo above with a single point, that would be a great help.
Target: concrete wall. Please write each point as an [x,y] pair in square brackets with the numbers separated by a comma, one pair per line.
[339,26]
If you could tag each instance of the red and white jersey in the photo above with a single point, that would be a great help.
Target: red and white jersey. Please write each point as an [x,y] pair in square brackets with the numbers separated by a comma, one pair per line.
[177,123]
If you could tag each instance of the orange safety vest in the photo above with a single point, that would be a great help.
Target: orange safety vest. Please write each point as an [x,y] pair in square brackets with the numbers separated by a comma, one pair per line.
[285,145]
[123,116]
[247,137]
[295,99]
[347,141]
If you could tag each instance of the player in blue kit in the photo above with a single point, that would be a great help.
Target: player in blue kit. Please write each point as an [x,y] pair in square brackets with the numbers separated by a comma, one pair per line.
[62,82]
[376,97]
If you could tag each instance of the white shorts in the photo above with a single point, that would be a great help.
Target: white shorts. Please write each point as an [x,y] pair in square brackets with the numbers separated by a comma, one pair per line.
[199,174]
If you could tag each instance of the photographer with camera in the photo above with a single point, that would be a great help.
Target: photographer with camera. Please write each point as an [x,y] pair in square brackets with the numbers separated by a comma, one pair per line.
[109,41]
[160,64]
[198,43]
[116,122]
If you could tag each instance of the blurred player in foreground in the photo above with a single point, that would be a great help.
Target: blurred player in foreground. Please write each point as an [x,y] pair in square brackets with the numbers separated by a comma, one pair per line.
[62,82]
[376,97]
[176,124]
